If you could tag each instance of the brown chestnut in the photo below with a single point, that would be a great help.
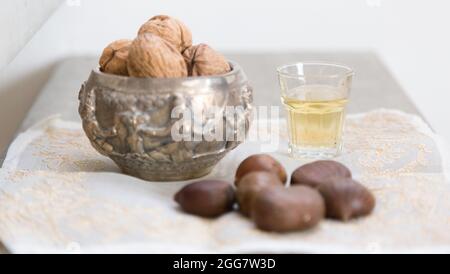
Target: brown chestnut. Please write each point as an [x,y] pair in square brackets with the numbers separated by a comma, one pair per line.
[287,209]
[260,162]
[250,185]
[313,174]
[346,198]
[208,198]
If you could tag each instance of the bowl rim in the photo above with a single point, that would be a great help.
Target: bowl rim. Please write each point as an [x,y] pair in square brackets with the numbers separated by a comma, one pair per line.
[161,86]
[235,69]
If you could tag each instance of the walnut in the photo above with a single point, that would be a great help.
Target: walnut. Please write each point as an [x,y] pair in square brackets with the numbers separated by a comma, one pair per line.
[169,29]
[151,56]
[202,60]
[114,57]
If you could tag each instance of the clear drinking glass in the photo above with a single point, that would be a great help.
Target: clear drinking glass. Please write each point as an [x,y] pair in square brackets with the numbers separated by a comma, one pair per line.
[315,96]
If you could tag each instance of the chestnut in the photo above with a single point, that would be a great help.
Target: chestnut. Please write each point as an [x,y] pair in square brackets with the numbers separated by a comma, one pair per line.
[260,162]
[345,198]
[281,209]
[207,198]
[313,174]
[251,184]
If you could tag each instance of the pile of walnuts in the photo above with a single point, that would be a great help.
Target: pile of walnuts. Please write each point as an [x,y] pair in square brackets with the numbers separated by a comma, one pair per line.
[162,49]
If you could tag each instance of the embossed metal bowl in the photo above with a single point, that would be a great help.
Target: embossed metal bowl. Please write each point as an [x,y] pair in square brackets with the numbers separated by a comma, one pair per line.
[130,120]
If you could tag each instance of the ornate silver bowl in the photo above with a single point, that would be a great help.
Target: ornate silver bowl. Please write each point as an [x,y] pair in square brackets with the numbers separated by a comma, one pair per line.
[131,120]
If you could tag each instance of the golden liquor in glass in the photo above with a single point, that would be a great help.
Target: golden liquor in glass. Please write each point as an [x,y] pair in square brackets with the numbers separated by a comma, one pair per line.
[315,116]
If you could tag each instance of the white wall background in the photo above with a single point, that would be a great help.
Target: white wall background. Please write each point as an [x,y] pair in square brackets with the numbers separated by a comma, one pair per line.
[19,20]
[411,36]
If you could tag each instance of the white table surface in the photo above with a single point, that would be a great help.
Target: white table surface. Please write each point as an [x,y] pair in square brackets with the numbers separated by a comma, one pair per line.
[373,85]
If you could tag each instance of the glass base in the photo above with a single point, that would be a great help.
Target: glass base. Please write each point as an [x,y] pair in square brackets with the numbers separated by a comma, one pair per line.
[299,152]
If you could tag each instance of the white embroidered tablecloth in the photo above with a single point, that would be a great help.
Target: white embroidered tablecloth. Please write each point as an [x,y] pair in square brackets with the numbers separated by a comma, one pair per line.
[57,194]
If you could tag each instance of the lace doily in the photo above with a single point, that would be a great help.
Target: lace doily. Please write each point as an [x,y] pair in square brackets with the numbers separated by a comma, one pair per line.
[57,194]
